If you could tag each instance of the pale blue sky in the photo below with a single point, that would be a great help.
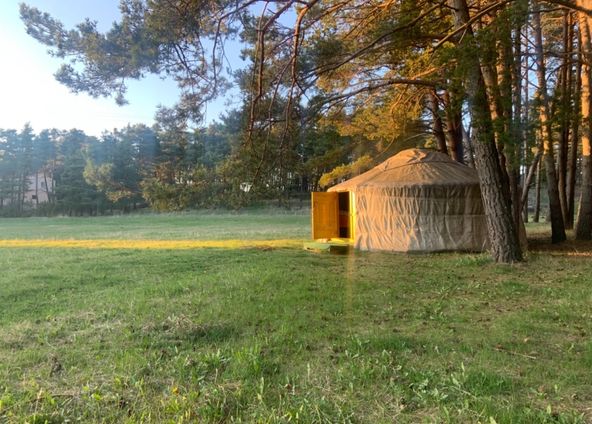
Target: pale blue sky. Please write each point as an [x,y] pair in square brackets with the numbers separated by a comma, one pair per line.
[29,92]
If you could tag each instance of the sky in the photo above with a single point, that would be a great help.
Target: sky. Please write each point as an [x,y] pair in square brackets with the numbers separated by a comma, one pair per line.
[30,93]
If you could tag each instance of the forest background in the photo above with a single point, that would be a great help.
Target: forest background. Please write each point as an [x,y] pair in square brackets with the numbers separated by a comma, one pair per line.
[331,89]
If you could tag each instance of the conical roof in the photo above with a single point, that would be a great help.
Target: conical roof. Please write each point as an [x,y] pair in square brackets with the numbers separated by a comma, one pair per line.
[413,167]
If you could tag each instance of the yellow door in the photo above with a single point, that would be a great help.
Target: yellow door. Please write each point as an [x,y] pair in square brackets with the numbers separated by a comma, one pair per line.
[325,215]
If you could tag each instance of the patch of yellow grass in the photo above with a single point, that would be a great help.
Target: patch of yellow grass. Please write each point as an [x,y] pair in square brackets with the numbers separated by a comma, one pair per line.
[152,244]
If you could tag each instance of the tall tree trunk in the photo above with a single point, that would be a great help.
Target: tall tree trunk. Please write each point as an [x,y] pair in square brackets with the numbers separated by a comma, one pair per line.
[508,70]
[454,136]
[584,220]
[46,186]
[468,147]
[22,188]
[501,126]
[557,225]
[497,76]
[526,133]
[36,189]
[503,238]
[438,128]
[573,148]
[537,199]
[528,179]
[565,107]
[518,135]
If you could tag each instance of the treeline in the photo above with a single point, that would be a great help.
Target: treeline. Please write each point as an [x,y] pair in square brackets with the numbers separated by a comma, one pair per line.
[502,85]
[165,167]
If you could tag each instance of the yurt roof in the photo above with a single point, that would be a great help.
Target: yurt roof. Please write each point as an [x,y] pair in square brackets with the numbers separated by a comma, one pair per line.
[413,167]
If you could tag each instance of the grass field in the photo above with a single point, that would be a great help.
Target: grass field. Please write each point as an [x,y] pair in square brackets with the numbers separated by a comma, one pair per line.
[272,333]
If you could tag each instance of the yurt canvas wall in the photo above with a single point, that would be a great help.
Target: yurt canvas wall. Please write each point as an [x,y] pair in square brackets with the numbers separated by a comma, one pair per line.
[418,200]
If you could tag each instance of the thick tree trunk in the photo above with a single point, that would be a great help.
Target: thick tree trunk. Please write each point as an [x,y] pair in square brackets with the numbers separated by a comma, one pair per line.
[501,129]
[497,77]
[557,225]
[503,238]
[584,220]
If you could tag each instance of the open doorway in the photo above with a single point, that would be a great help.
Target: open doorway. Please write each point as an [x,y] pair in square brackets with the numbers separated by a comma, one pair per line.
[332,215]
[344,215]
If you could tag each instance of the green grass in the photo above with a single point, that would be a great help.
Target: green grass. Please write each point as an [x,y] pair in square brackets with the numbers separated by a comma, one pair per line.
[284,335]
[206,226]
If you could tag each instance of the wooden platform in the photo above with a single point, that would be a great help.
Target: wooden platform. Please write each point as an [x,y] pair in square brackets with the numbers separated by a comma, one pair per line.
[330,246]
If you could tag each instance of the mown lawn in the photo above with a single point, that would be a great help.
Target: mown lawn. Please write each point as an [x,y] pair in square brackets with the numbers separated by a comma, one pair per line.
[284,335]
[206,226]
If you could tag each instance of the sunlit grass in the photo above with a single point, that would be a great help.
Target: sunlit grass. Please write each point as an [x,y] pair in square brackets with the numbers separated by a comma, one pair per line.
[270,333]
[152,244]
[181,226]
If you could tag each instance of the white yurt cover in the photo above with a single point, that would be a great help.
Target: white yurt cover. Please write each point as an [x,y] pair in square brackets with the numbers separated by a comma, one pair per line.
[418,200]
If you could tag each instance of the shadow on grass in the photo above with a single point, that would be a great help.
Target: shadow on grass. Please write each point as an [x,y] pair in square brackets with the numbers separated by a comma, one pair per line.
[540,242]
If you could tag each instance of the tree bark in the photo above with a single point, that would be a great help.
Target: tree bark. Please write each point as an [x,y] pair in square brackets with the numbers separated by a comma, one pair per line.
[573,152]
[468,147]
[438,127]
[454,136]
[525,130]
[537,199]
[557,225]
[565,108]
[509,81]
[49,199]
[528,179]
[503,237]
[497,76]
[584,220]
[517,125]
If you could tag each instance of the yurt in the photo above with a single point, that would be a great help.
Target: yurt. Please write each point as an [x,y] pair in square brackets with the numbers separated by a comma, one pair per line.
[417,201]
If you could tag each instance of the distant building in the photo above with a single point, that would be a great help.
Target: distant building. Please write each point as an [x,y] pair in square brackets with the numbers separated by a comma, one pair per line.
[39,188]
